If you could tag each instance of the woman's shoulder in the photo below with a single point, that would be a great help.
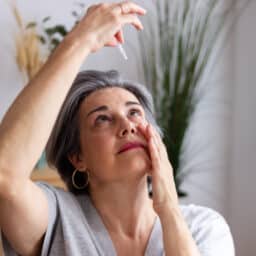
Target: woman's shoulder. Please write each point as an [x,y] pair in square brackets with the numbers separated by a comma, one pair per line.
[200,217]
[199,213]
[67,221]
[49,189]
[209,229]
[60,198]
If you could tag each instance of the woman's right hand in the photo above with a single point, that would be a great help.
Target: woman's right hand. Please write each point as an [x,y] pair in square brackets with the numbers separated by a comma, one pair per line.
[102,24]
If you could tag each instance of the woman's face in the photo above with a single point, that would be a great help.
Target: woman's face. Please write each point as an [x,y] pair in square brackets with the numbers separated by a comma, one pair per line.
[113,149]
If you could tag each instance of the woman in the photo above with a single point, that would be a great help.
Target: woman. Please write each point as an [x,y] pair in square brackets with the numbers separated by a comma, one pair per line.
[105,143]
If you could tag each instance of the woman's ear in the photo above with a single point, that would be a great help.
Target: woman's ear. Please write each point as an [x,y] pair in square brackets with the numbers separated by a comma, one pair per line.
[77,161]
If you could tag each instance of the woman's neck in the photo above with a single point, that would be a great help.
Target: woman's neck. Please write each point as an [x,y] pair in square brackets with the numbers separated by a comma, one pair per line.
[125,209]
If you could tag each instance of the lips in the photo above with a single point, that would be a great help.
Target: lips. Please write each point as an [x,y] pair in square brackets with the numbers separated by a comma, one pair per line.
[131,145]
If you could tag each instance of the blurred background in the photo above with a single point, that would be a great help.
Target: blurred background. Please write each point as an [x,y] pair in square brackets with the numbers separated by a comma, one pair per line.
[216,159]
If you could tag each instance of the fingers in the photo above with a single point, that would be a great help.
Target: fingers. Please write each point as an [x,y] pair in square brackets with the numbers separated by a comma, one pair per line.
[146,130]
[132,19]
[120,36]
[153,145]
[92,7]
[143,130]
[154,154]
[102,25]
[150,132]
[157,144]
[162,147]
[129,12]
[112,43]
[129,7]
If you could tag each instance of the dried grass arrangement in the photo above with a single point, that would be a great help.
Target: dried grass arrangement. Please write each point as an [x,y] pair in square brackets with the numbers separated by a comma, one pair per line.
[29,56]
[33,47]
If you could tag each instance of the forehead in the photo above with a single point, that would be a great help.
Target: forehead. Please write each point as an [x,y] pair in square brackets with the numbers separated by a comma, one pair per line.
[110,97]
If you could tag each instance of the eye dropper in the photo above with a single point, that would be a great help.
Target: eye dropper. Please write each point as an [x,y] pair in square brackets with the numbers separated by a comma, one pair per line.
[122,51]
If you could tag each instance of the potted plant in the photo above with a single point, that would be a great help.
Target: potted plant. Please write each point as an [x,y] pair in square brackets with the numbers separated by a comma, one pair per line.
[179,42]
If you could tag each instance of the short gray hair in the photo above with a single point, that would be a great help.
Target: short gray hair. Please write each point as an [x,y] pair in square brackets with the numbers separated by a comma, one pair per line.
[65,136]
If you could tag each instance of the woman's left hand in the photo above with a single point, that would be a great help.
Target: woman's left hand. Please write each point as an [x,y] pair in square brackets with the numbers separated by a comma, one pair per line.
[163,186]
[165,198]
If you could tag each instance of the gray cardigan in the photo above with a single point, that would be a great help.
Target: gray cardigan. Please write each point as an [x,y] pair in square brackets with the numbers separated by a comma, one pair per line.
[75,228]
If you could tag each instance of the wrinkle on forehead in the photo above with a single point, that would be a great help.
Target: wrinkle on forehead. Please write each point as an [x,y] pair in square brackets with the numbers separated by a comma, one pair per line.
[111,97]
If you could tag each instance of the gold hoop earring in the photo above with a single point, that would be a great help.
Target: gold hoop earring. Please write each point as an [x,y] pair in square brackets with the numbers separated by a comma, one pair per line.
[74,182]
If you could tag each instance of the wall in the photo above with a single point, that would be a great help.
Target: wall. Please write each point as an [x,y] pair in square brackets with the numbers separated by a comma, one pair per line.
[242,208]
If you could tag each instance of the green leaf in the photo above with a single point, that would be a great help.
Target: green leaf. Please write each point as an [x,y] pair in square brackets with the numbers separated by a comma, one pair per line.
[75,14]
[31,25]
[81,5]
[58,29]
[46,19]
[42,39]
[55,42]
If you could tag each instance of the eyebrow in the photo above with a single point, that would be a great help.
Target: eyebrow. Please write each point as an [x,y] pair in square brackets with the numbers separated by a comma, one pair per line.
[105,108]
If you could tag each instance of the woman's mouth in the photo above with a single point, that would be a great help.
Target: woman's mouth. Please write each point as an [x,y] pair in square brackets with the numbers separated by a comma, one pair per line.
[130,146]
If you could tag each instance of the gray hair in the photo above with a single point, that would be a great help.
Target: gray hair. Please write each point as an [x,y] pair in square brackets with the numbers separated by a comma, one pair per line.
[65,136]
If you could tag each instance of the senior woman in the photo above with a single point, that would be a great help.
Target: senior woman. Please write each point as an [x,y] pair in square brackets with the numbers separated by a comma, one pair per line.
[104,141]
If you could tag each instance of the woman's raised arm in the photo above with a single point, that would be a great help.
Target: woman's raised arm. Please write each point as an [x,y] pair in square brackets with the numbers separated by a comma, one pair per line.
[27,125]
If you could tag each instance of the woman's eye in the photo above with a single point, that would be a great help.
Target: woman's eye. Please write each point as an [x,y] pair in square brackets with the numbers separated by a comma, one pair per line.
[135,112]
[102,119]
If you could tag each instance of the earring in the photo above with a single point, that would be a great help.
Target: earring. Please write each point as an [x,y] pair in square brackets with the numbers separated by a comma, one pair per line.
[74,182]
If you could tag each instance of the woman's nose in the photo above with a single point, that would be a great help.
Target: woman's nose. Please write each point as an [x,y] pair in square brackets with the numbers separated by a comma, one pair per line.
[126,127]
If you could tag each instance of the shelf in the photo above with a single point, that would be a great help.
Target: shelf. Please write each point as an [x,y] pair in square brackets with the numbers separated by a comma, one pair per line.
[48,175]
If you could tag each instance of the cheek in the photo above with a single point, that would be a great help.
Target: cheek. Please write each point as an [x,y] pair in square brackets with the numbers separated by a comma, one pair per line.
[99,157]
[97,147]
[142,120]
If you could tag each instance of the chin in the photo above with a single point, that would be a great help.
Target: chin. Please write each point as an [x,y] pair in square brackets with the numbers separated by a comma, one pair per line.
[135,162]
[138,165]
